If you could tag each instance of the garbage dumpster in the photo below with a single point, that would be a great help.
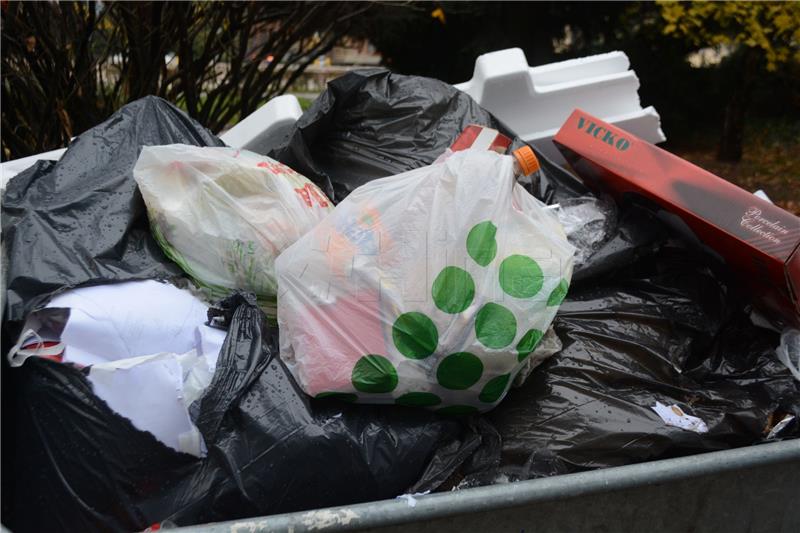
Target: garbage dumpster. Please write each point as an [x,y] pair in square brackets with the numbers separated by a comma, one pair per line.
[251,390]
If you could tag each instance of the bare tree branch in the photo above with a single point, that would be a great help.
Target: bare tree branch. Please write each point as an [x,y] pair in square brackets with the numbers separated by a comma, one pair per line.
[67,66]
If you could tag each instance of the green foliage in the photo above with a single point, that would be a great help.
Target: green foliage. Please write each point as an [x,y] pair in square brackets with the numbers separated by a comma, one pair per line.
[773,28]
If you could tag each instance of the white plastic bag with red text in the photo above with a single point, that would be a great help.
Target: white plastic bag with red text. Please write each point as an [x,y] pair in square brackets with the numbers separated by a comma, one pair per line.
[224,215]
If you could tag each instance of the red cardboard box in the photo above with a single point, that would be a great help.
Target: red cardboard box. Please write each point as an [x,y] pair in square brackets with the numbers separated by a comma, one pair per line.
[760,241]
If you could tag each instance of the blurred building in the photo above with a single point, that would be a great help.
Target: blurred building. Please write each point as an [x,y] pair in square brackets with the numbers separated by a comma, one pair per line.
[348,54]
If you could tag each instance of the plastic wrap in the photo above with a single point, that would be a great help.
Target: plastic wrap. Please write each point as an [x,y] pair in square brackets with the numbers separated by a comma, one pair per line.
[588,221]
[644,325]
[789,351]
[72,463]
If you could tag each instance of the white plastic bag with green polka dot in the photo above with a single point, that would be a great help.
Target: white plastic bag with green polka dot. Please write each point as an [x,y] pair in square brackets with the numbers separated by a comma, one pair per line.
[429,288]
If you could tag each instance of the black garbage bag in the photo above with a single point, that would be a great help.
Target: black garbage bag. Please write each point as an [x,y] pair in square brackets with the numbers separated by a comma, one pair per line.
[371,123]
[81,219]
[669,329]
[81,467]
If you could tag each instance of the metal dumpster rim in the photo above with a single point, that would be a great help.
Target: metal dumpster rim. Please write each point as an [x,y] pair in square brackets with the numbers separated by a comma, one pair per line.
[383,513]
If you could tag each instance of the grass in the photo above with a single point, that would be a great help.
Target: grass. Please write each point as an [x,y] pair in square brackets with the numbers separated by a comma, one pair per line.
[305,103]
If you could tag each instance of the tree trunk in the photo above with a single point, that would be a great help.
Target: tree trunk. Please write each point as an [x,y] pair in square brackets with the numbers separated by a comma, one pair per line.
[732,139]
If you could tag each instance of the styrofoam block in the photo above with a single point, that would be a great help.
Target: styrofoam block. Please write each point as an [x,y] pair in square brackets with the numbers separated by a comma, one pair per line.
[252,132]
[580,68]
[535,101]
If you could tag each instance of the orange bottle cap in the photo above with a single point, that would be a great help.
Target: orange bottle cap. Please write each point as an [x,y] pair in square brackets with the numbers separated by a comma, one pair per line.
[528,163]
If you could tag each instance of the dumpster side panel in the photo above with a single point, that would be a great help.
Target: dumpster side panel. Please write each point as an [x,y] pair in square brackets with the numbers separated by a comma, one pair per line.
[757,499]
[750,489]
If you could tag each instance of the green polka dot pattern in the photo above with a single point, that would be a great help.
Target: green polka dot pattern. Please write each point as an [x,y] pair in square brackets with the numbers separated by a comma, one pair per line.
[374,373]
[418,399]
[453,290]
[415,335]
[494,389]
[459,371]
[520,276]
[481,243]
[528,343]
[558,294]
[495,326]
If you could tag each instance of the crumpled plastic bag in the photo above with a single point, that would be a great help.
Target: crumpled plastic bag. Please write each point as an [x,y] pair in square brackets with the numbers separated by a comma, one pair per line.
[224,214]
[789,351]
[548,346]
[373,123]
[587,221]
[81,219]
[79,466]
[428,288]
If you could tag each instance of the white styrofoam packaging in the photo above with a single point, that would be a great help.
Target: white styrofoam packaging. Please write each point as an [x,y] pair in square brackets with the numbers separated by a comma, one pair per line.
[535,101]
[430,288]
[266,122]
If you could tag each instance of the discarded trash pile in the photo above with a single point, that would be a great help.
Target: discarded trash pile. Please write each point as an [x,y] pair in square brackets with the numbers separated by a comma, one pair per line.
[193,332]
